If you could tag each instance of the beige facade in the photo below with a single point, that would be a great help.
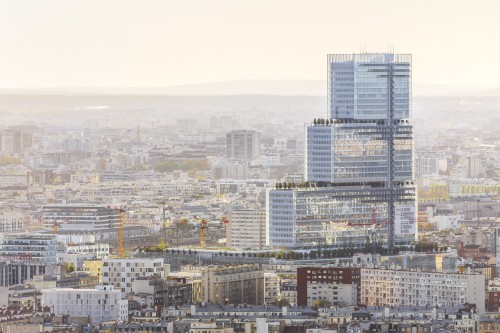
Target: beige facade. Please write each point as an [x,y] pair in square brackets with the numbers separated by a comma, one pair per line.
[94,267]
[338,294]
[247,229]
[235,284]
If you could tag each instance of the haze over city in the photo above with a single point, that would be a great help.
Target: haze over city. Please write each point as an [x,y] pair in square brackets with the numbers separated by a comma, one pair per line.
[123,44]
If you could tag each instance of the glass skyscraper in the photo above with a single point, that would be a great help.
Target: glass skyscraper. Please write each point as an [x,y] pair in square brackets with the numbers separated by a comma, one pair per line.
[359,162]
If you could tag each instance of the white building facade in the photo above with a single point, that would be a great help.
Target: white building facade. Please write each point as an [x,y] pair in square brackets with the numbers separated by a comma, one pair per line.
[103,303]
[389,287]
[11,222]
[120,273]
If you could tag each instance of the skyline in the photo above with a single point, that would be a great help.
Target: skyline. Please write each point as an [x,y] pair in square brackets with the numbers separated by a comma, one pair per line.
[117,44]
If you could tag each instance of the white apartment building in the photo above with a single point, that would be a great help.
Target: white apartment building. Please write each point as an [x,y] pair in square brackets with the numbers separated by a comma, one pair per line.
[389,287]
[247,229]
[103,303]
[11,222]
[120,273]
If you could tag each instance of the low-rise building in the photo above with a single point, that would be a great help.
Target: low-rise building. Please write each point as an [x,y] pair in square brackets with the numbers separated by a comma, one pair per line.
[73,261]
[209,327]
[94,267]
[98,250]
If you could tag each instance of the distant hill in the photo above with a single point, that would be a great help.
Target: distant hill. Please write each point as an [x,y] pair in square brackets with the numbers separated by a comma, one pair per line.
[239,87]
[254,87]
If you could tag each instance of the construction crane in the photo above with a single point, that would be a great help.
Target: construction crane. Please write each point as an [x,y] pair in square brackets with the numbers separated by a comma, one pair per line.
[120,233]
[203,227]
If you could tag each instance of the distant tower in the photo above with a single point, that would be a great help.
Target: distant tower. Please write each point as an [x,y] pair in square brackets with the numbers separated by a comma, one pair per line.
[360,158]
[243,144]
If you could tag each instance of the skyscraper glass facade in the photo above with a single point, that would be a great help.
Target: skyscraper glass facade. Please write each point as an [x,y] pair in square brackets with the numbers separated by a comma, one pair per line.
[363,86]
[359,164]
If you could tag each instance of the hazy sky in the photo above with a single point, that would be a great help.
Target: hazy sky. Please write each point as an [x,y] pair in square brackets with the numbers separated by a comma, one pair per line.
[120,43]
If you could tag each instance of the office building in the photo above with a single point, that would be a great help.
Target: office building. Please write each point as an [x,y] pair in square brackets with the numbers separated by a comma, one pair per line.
[243,144]
[29,247]
[16,271]
[81,217]
[101,304]
[424,261]
[359,169]
[98,250]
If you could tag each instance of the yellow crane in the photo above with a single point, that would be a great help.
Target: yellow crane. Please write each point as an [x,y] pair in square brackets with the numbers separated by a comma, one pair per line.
[203,227]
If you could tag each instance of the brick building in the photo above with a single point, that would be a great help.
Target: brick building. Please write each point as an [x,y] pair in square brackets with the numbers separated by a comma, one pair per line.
[336,285]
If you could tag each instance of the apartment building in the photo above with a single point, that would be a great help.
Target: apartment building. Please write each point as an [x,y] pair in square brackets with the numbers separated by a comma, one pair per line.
[209,327]
[333,285]
[103,303]
[235,284]
[390,287]
[247,229]
[121,273]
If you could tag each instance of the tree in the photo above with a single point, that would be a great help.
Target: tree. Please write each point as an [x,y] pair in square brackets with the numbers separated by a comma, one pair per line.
[281,302]
[70,267]
[321,303]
